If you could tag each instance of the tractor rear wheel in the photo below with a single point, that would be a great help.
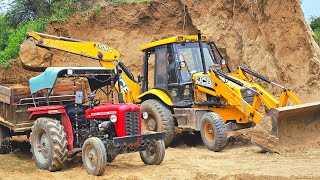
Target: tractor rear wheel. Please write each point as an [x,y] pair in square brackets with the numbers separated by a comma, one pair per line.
[94,156]
[159,119]
[4,140]
[48,144]
[213,132]
[154,154]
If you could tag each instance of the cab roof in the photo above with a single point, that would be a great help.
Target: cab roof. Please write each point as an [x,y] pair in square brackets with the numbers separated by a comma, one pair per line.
[174,39]
[47,79]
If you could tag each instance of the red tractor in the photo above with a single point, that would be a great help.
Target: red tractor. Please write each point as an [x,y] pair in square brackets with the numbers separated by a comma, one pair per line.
[100,131]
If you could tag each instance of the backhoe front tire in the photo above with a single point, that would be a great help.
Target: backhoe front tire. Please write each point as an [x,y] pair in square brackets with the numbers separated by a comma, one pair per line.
[213,132]
[154,154]
[159,119]
[94,156]
[48,144]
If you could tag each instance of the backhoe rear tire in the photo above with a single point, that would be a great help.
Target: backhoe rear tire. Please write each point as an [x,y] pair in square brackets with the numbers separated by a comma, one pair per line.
[94,156]
[48,144]
[159,119]
[4,140]
[213,132]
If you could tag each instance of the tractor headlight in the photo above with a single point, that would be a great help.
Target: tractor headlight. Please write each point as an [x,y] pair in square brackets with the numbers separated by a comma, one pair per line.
[113,118]
[145,115]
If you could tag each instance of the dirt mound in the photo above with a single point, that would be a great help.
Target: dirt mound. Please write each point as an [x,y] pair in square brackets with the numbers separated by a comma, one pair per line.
[16,74]
[124,27]
[271,37]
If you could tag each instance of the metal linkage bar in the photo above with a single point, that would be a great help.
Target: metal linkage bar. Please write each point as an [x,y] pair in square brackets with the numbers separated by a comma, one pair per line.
[233,80]
[59,37]
[253,73]
[228,77]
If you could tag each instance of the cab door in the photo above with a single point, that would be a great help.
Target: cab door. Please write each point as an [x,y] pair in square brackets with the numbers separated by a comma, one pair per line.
[155,73]
[160,67]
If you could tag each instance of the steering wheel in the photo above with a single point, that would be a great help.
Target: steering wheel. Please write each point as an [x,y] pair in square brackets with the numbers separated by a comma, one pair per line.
[96,102]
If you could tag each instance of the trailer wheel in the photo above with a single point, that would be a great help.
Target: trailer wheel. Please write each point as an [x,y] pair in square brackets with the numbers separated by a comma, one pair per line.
[159,119]
[213,132]
[94,156]
[48,144]
[4,140]
[154,154]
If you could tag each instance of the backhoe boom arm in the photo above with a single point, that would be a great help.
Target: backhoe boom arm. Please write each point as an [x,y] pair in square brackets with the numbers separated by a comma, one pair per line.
[93,50]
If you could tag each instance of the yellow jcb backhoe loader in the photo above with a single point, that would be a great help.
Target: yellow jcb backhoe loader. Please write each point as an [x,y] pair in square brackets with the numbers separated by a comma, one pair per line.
[193,89]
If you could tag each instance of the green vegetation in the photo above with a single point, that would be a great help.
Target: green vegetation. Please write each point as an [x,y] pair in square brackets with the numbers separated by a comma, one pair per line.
[131,1]
[98,11]
[25,15]
[63,9]
[315,26]
[14,38]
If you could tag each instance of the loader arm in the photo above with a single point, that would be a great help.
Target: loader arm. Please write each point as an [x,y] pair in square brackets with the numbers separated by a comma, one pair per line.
[282,126]
[269,100]
[106,55]
[250,112]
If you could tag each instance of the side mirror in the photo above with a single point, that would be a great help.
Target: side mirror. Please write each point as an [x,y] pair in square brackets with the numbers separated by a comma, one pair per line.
[140,78]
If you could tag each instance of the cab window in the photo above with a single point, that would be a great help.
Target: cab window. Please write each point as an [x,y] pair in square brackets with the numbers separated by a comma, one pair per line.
[161,63]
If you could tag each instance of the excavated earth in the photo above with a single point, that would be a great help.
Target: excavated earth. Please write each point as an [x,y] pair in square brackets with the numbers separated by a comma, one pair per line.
[271,37]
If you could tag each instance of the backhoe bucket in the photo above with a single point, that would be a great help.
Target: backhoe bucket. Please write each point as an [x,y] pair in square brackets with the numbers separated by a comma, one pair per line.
[33,57]
[289,128]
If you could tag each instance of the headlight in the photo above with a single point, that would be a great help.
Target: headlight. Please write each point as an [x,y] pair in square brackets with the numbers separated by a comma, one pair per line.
[145,115]
[113,118]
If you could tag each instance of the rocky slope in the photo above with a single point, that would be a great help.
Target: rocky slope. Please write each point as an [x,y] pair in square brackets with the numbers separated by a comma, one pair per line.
[271,37]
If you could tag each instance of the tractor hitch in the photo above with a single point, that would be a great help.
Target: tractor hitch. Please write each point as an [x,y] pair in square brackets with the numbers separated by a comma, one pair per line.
[128,144]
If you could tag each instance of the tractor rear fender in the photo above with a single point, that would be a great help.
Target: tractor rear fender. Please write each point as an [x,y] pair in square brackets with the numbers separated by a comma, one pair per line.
[49,111]
[155,94]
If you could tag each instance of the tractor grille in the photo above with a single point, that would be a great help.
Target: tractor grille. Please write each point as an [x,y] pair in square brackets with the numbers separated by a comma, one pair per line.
[248,95]
[132,123]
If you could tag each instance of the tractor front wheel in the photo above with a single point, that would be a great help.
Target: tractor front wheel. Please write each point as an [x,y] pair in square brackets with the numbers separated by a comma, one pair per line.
[213,132]
[48,144]
[154,154]
[159,119]
[94,156]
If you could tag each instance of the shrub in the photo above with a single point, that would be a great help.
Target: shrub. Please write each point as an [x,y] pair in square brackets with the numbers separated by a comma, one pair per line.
[16,37]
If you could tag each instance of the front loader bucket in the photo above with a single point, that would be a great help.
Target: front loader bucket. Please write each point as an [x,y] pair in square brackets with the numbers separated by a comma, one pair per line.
[289,128]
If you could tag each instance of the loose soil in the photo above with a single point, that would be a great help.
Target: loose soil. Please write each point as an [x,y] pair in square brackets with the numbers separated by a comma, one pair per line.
[238,161]
[271,37]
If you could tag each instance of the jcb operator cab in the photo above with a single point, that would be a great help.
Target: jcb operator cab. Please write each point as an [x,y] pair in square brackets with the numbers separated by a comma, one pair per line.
[175,60]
